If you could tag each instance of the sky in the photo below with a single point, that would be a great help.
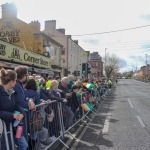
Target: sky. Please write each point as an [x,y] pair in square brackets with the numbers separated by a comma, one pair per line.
[120,27]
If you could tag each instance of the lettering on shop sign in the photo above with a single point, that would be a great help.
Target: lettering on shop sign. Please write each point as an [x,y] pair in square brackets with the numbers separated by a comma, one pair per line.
[2,49]
[15,54]
[9,33]
[35,60]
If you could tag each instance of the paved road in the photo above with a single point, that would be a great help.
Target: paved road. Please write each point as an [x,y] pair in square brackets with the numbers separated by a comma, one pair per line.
[121,123]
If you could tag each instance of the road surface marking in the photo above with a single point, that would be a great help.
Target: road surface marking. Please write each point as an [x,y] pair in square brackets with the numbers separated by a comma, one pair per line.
[130,103]
[97,125]
[76,132]
[80,136]
[106,125]
[141,122]
[83,142]
[78,140]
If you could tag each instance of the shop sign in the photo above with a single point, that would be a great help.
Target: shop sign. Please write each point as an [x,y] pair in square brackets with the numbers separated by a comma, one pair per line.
[17,54]
[9,33]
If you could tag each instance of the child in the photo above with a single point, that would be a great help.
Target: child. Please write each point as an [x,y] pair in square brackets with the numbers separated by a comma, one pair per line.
[74,100]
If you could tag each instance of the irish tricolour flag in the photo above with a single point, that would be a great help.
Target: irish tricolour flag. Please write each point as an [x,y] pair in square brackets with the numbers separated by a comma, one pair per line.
[89,85]
[86,106]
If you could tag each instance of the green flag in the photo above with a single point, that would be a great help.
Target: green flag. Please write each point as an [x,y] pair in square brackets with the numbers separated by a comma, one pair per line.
[89,106]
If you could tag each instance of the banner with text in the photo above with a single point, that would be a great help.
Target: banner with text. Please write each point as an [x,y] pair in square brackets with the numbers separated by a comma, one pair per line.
[17,54]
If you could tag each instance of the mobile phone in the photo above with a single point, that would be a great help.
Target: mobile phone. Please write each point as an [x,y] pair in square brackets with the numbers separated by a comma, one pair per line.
[16,122]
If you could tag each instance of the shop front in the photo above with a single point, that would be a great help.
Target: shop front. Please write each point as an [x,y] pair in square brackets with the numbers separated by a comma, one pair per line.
[12,56]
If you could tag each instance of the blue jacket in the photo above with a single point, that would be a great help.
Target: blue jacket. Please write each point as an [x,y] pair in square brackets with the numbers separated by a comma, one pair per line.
[64,90]
[20,97]
[55,96]
[8,105]
[44,94]
[34,95]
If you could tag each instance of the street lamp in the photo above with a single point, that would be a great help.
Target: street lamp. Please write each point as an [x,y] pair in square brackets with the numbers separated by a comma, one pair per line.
[105,61]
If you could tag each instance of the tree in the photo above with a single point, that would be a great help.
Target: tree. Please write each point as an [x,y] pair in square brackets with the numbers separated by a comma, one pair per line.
[111,65]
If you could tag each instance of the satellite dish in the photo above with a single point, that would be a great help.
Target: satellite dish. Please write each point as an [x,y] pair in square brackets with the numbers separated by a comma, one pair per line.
[1,128]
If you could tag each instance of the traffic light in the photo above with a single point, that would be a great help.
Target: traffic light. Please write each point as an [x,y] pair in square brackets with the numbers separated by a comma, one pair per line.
[78,73]
[84,71]
[75,73]
[88,68]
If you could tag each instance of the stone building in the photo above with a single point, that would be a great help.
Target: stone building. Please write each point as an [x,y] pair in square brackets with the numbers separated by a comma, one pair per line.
[72,55]
[96,65]
[28,38]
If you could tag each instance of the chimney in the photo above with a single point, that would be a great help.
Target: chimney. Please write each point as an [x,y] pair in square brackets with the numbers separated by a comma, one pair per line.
[35,24]
[9,10]
[69,36]
[76,41]
[50,27]
[61,31]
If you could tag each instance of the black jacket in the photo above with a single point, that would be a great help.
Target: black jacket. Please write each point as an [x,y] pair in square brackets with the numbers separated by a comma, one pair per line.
[74,101]
[8,105]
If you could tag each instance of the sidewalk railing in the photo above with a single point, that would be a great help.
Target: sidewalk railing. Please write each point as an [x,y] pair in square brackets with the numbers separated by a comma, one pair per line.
[46,125]
[8,134]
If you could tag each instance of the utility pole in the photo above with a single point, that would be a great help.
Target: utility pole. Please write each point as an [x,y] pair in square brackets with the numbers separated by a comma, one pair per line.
[146,66]
[105,61]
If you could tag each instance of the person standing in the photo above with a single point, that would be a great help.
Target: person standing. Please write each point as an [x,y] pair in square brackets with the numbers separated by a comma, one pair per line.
[22,73]
[8,106]
[71,81]
[68,114]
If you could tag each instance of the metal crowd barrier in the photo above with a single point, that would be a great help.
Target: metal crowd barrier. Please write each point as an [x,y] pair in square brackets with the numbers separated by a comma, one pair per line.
[8,137]
[57,126]
[50,125]
[52,128]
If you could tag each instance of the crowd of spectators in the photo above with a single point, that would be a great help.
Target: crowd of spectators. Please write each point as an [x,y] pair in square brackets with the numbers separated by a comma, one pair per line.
[21,92]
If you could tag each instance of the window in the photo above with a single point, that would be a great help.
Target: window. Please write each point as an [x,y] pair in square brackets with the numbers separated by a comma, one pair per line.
[63,51]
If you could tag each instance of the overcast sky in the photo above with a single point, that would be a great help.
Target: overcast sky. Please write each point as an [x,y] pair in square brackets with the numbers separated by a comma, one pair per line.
[98,18]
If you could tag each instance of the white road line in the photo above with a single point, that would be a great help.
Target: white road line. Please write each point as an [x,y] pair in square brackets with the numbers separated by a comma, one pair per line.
[79,139]
[106,125]
[83,142]
[141,122]
[130,103]
[71,138]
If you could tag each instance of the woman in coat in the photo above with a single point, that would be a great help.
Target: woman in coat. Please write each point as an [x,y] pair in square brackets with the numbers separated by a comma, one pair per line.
[50,95]
[54,94]
[31,93]
[8,107]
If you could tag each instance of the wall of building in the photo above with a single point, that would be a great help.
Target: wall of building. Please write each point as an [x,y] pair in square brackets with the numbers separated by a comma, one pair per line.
[97,63]
[73,56]
[77,56]
[50,30]
[27,36]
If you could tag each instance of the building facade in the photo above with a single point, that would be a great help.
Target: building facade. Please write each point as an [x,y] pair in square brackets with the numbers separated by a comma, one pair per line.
[28,37]
[58,51]
[96,65]
[72,55]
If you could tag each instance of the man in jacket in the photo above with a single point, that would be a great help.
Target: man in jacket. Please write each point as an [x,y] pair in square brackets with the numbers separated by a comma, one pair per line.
[22,73]
[68,114]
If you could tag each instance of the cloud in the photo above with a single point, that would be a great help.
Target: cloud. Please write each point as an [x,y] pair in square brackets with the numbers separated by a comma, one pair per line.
[122,63]
[145,46]
[138,59]
[91,41]
[145,17]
